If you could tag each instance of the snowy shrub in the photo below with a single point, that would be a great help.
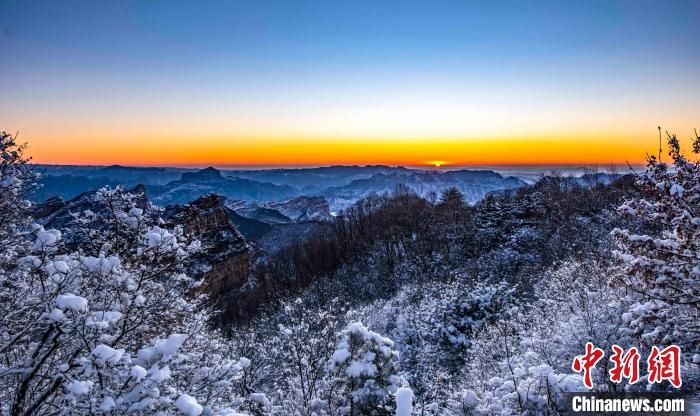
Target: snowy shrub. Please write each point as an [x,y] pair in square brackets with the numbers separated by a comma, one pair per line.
[364,367]
[298,349]
[475,307]
[522,363]
[510,377]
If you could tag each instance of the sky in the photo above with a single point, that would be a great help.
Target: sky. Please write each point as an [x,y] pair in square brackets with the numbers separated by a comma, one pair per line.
[277,83]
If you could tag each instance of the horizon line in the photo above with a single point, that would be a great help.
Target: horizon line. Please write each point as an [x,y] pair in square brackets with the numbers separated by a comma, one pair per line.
[283,166]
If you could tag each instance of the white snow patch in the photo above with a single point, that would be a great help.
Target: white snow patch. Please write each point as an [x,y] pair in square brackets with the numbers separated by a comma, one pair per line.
[71,301]
[78,388]
[157,236]
[163,347]
[470,399]
[169,346]
[46,238]
[404,401]
[102,265]
[139,300]
[339,356]
[102,319]
[107,354]
[108,404]
[159,374]
[358,369]
[188,405]
[244,362]
[56,315]
[138,372]
[58,266]
[260,399]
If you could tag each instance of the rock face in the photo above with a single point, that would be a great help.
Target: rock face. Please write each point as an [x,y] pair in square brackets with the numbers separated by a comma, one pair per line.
[225,261]
[258,212]
[48,207]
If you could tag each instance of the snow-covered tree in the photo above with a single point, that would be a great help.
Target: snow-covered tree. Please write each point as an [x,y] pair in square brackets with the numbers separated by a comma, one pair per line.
[309,342]
[364,368]
[662,269]
[102,323]
[15,179]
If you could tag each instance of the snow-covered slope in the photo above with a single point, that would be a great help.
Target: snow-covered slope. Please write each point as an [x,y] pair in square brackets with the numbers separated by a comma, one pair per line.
[474,184]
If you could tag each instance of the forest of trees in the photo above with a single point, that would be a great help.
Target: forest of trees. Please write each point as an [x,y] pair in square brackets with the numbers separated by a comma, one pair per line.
[401,305]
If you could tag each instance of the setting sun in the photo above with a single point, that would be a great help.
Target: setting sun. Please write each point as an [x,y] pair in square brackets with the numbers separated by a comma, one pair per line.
[437,163]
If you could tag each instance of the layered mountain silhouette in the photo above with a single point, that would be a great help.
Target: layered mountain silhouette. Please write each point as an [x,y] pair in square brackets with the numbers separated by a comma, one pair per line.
[340,186]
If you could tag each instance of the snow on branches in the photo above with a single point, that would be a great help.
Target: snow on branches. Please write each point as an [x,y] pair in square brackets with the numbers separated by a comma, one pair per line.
[662,268]
[15,179]
[364,363]
[103,323]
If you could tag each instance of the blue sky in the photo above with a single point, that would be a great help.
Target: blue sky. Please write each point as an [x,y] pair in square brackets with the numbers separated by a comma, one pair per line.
[347,70]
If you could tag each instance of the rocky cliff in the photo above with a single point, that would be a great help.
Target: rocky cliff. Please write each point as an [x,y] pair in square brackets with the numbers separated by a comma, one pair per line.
[225,261]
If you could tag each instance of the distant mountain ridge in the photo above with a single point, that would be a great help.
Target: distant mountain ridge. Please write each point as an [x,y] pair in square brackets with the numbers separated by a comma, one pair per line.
[209,180]
[316,179]
[474,184]
[340,186]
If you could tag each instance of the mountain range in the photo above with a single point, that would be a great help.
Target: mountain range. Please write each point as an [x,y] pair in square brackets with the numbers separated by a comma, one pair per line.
[340,186]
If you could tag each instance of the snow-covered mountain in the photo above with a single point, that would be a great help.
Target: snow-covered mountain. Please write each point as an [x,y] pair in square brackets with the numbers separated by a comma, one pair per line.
[303,208]
[474,184]
[276,224]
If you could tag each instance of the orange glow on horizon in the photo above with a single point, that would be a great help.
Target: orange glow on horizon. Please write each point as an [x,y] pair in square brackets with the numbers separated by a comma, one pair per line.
[265,152]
